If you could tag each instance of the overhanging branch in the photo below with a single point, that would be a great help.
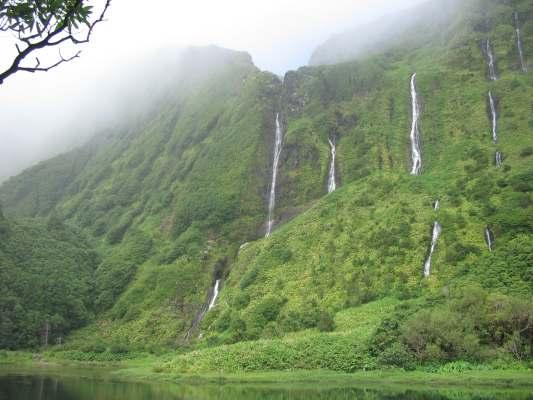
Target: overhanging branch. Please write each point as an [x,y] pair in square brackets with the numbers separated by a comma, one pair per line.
[56,34]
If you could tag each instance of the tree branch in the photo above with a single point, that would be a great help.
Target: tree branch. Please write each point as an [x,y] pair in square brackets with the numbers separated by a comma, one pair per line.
[38,68]
[62,26]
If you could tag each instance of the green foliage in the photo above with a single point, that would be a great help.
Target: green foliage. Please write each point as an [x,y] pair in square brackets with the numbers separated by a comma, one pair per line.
[397,355]
[337,353]
[340,284]
[470,326]
[46,283]
[115,272]
[325,323]
[25,16]
[249,278]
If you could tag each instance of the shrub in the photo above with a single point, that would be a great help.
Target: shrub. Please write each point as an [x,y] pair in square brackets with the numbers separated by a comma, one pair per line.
[96,347]
[249,278]
[119,348]
[526,152]
[439,335]
[325,322]
[242,299]
[397,355]
[460,366]
[223,322]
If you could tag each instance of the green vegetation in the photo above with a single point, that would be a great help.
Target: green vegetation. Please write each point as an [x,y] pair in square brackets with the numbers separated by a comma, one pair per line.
[46,280]
[339,285]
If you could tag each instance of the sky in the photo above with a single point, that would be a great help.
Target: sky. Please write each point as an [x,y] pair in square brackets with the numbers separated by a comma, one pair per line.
[43,114]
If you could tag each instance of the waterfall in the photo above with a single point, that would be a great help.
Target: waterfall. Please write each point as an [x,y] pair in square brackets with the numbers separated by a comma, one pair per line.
[489,238]
[272,199]
[498,159]
[494,117]
[331,180]
[415,132]
[436,205]
[215,295]
[195,323]
[519,43]
[490,61]
[437,229]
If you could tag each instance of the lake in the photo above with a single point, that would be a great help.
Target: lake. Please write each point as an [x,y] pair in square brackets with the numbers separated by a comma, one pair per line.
[43,384]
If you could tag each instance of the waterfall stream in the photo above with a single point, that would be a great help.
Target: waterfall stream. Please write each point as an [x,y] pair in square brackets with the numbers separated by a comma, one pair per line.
[437,229]
[498,159]
[490,61]
[195,323]
[416,156]
[519,44]
[272,199]
[494,118]
[436,205]
[331,179]
[489,238]
[215,295]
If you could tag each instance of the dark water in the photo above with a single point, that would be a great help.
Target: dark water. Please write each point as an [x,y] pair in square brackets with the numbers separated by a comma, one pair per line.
[91,386]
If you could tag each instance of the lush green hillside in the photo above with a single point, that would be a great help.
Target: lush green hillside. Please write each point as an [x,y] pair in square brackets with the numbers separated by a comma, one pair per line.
[340,283]
[168,203]
[46,282]
[370,238]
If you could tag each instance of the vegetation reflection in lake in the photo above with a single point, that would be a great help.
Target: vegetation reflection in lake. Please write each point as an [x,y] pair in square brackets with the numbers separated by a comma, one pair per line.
[40,387]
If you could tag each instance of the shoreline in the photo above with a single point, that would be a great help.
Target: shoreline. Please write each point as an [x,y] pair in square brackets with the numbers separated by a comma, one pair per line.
[142,370]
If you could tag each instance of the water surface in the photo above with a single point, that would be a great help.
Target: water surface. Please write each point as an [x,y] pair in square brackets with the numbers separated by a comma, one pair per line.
[93,385]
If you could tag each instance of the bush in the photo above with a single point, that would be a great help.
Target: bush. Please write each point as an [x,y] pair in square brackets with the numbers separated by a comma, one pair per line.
[461,366]
[223,322]
[96,347]
[242,299]
[119,348]
[259,314]
[439,335]
[325,322]
[526,152]
[249,278]
[397,355]
[324,351]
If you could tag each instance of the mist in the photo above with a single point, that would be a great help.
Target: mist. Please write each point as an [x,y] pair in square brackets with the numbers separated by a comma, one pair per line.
[133,55]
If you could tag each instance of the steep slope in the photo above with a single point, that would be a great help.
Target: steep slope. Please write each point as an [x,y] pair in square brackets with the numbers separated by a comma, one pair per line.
[371,238]
[366,106]
[170,201]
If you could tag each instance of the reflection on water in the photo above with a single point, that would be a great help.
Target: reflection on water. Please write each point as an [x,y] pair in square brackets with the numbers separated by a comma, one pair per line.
[41,387]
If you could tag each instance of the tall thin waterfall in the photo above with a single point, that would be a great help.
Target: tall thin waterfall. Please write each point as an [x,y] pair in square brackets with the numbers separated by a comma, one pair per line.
[437,229]
[494,118]
[416,155]
[519,43]
[489,238]
[272,200]
[498,159]
[331,179]
[436,205]
[215,295]
[490,61]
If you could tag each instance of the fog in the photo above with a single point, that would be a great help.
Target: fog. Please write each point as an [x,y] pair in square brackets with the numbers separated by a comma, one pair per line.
[46,113]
